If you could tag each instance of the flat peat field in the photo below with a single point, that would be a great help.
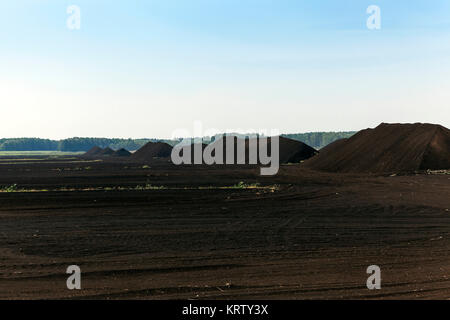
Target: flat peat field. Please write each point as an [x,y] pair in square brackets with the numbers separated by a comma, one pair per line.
[157,231]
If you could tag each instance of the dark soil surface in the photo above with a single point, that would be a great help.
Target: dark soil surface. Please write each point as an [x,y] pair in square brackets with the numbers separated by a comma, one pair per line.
[158,231]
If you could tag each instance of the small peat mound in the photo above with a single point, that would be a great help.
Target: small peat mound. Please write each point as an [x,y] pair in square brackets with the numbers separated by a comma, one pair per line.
[107,152]
[389,148]
[122,153]
[152,150]
[293,151]
[94,151]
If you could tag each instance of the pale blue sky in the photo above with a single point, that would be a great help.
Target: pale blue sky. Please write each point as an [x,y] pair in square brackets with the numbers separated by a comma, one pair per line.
[147,68]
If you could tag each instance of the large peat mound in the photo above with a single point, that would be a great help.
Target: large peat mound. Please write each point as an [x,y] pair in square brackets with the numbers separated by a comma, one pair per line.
[389,148]
[152,150]
[290,151]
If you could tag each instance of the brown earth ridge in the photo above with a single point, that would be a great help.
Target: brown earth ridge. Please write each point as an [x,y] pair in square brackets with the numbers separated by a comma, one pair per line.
[389,148]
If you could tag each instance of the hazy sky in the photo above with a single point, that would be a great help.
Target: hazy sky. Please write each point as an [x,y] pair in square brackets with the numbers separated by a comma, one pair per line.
[146,68]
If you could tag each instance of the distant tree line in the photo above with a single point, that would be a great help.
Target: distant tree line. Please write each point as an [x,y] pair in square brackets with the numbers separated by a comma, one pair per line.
[72,144]
[314,139]
[319,140]
[28,144]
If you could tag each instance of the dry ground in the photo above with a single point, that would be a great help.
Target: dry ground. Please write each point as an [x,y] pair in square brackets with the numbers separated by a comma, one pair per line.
[302,235]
